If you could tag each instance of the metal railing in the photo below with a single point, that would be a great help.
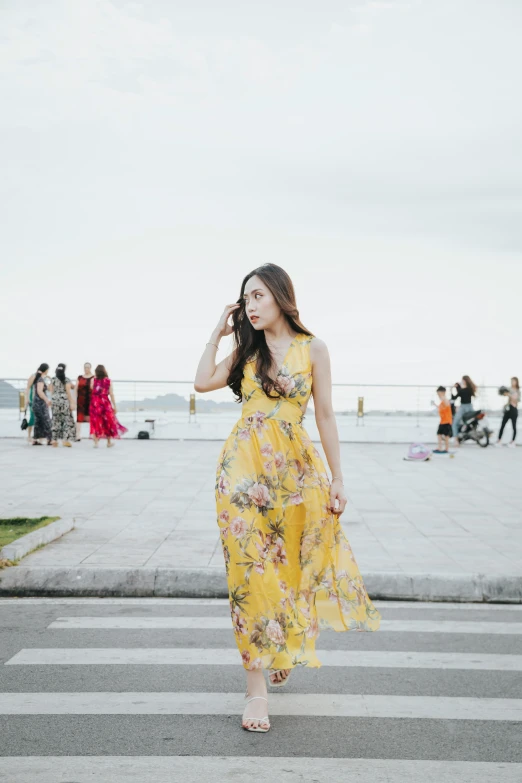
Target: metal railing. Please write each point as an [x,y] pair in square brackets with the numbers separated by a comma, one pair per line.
[358,399]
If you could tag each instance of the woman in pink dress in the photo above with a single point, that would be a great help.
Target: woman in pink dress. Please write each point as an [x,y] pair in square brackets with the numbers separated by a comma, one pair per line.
[102,414]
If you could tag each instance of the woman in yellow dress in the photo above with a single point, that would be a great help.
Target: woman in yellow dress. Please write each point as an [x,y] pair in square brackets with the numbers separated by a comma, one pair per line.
[290,569]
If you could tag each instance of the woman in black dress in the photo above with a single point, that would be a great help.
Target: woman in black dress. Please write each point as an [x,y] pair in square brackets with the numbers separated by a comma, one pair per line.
[83,398]
[41,405]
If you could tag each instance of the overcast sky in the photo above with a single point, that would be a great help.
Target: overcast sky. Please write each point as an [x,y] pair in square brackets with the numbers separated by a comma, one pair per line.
[154,153]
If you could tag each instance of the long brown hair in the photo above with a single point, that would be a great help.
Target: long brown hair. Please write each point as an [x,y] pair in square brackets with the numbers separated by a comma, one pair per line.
[100,371]
[250,343]
[470,385]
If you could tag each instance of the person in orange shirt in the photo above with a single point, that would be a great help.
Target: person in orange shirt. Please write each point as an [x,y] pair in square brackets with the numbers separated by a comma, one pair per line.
[444,431]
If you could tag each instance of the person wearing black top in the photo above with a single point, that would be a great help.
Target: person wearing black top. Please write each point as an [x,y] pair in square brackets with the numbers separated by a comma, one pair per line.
[510,410]
[465,391]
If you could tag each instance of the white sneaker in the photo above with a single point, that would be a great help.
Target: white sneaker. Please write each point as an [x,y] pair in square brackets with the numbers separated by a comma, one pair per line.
[512,445]
[498,444]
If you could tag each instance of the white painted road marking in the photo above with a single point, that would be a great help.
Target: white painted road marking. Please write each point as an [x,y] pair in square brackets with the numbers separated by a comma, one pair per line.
[296,704]
[244,769]
[90,656]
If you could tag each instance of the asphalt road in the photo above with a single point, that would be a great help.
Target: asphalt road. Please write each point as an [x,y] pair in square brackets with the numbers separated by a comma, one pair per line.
[442,704]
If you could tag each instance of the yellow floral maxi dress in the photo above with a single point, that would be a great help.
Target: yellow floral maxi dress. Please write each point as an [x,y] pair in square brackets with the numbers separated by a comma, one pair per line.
[290,569]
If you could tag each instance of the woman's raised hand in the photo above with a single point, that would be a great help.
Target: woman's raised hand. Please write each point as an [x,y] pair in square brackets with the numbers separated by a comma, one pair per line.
[223,327]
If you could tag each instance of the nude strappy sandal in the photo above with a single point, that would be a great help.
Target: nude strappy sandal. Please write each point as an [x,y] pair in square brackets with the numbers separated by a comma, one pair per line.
[261,728]
[282,682]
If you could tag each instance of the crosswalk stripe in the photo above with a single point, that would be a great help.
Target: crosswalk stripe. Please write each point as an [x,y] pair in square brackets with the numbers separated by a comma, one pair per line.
[413,605]
[310,705]
[224,623]
[244,769]
[89,656]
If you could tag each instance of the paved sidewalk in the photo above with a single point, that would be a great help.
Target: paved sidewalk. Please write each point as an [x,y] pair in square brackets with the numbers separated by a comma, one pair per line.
[148,505]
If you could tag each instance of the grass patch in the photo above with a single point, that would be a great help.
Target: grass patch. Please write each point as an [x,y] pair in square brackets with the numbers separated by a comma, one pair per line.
[11,529]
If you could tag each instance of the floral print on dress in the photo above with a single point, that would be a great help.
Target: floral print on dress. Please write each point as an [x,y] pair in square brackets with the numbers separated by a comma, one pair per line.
[290,569]
[63,427]
[42,419]
[103,421]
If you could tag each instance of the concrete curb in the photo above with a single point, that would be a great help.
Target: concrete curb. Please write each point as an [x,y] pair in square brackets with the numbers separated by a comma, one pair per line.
[211,583]
[21,547]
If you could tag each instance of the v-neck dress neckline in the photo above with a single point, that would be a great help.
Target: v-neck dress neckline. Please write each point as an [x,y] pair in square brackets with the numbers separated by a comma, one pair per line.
[285,358]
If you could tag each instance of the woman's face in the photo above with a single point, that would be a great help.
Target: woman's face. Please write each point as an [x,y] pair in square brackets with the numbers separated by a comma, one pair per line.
[260,306]
[87,368]
[463,382]
[513,383]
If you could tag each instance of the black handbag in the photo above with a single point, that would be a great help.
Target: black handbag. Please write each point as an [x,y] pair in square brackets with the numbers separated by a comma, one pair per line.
[24,425]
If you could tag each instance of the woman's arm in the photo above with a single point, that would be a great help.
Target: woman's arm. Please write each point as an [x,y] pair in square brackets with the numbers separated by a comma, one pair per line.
[68,387]
[30,382]
[210,377]
[111,395]
[325,419]
[40,386]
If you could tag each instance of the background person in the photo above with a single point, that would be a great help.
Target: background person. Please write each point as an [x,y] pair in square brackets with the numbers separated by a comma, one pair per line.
[444,431]
[62,406]
[510,411]
[465,391]
[29,395]
[41,405]
[103,421]
[83,398]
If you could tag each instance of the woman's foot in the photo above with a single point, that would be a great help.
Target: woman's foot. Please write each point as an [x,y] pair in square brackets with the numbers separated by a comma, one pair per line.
[54,443]
[109,443]
[279,677]
[260,723]
[67,444]
[255,716]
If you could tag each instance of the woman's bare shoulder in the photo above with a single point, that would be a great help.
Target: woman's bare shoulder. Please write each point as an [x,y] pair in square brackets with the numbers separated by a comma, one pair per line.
[318,348]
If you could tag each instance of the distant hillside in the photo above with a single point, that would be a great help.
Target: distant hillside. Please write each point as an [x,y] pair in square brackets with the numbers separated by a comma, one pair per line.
[175,402]
[8,395]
